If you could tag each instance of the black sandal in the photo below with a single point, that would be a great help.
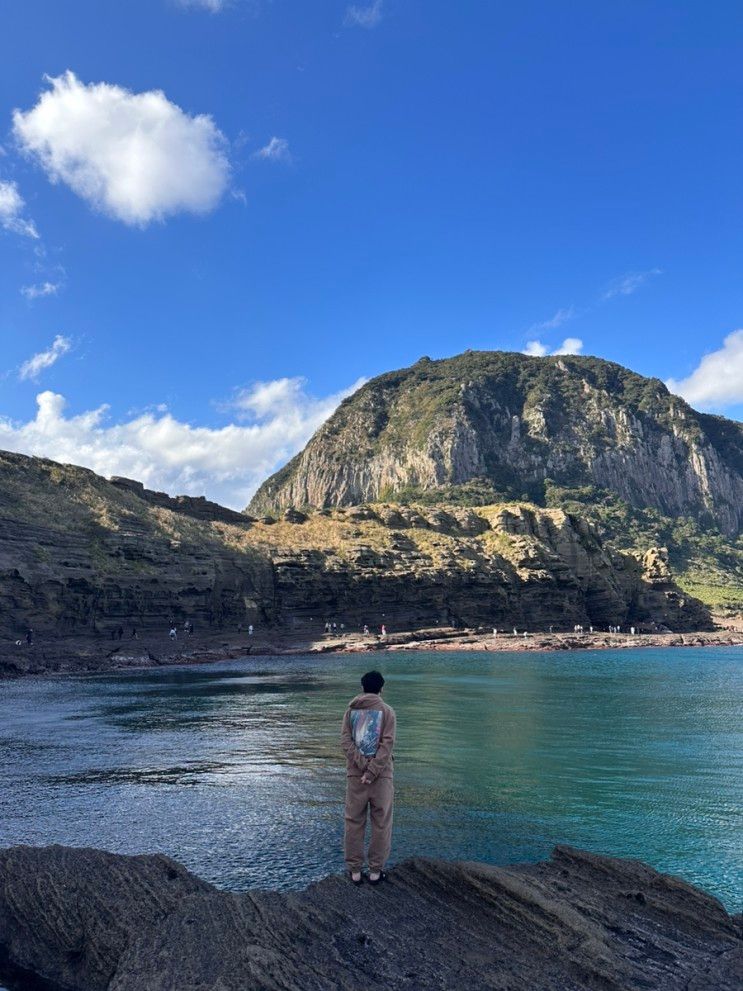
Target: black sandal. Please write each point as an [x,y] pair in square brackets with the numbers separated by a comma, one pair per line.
[382,877]
[356,883]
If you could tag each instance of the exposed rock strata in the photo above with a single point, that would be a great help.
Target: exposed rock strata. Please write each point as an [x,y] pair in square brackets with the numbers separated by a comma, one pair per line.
[93,921]
[498,565]
[82,556]
[512,422]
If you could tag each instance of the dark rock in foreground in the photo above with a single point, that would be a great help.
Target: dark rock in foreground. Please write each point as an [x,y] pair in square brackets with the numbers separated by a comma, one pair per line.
[91,920]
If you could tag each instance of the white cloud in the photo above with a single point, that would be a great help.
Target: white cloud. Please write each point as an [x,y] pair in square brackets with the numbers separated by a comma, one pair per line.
[277,150]
[32,368]
[134,156]
[41,289]
[226,463]
[717,381]
[627,284]
[364,15]
[571,345]
[11,211]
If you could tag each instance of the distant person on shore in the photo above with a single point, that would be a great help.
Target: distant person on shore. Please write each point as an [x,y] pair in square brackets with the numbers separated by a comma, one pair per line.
[29,636]
[384,631]
[366,630]
[173,633]
[367,739]
[250,630]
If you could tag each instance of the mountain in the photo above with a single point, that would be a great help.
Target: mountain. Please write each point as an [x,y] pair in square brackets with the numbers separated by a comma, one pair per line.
[489,426]
[484,490]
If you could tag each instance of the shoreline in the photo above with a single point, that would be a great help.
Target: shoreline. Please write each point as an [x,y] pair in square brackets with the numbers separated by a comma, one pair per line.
[88,656]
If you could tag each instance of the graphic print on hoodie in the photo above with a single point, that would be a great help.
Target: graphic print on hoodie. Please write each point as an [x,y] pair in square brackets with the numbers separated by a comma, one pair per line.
[366,727]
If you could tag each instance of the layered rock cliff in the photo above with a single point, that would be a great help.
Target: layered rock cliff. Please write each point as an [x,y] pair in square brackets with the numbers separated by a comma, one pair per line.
[485,426]
[93,921]
[504,565]
[83,556]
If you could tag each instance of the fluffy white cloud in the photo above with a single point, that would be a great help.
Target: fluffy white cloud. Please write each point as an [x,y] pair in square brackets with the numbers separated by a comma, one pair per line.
[135,156]
[277,150]
[227,464]
[571,345]
[32,368]
[11,211]
[717,381]
[364,15]
[625,285]
[41,289]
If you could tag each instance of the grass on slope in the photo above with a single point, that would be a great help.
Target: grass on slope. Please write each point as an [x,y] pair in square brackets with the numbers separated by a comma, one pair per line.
[705,563]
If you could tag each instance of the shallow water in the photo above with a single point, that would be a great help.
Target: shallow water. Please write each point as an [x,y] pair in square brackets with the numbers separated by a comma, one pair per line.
[235,769]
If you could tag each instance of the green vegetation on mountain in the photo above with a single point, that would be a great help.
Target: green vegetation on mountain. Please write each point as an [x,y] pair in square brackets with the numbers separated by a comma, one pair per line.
[705,563]
[487,489]
[571,432]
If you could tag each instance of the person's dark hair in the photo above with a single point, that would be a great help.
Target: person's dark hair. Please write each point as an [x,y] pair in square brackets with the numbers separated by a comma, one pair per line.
[372,682]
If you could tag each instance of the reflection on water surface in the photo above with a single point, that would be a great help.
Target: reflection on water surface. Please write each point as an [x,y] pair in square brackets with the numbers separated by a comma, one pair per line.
[235,770]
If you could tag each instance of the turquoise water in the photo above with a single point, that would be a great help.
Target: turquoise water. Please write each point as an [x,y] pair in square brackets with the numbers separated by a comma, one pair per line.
[235,769]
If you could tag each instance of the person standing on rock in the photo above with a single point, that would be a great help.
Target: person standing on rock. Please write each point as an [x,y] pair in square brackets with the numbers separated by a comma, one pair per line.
[367,739]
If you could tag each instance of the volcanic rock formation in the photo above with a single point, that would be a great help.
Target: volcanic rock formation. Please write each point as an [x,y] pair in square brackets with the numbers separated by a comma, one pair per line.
[492,425]
[93,921]
[81,556]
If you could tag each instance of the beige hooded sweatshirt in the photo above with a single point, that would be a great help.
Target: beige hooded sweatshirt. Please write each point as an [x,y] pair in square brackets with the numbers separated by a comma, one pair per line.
[367,737]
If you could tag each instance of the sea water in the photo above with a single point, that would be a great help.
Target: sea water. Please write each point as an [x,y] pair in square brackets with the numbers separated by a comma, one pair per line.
[235,770]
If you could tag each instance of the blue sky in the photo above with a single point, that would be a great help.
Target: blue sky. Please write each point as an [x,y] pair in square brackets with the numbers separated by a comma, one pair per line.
[376,181]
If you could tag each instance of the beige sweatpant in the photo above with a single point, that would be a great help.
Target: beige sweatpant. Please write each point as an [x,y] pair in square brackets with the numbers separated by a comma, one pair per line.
[378,798]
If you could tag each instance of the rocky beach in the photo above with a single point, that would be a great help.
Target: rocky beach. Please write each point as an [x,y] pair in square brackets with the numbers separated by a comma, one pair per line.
[80,655]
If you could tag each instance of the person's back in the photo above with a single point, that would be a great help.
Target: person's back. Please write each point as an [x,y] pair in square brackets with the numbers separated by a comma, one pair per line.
[367,738]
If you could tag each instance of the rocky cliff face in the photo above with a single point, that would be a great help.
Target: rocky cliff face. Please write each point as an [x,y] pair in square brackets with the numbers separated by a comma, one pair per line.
[496,566]
[505,425]
[92,921]
[80,555]
[83,556]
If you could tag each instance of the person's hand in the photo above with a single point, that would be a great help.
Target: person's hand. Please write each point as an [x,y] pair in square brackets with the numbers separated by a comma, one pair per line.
[366,779]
